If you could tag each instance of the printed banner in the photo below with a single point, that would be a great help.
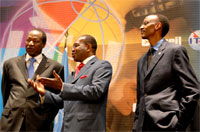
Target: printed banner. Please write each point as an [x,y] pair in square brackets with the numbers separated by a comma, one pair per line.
[116,26]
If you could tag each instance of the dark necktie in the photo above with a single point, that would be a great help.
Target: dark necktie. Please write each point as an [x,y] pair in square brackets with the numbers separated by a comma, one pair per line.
[150,56]
[78,68]
[31,68]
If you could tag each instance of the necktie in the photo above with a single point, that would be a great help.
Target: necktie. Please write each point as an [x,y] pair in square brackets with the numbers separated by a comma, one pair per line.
[31,68]
[78,68]
[150,56]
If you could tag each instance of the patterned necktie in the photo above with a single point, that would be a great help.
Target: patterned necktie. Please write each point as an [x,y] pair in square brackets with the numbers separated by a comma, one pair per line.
[79,68]
[31,68]
[150,56]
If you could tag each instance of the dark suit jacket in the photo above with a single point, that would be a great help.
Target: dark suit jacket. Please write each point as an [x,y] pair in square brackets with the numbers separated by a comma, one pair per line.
[167,91]
[85,98]
[21,101]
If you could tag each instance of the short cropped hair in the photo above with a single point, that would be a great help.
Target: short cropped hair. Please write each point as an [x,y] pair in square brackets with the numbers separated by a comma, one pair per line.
[165,24]
[90,40]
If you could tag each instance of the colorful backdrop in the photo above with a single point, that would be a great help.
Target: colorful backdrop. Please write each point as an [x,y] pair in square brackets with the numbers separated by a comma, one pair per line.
[114,23]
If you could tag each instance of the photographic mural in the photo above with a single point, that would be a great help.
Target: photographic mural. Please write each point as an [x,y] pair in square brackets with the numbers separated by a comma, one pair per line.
[116,26]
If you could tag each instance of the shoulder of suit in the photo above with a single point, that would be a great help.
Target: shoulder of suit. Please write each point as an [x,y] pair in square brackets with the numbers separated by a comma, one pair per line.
[100,62]
[13,59]
[167,43]
[173,45]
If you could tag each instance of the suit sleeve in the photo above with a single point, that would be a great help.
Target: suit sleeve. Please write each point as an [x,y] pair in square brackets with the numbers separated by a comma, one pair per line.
[4,85]
[188,85]
[53,99]
[92,90]
[60,71]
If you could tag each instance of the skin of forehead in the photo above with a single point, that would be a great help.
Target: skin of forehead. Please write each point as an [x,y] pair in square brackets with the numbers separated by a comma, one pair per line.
[152,18]
[34,32]
[80,38]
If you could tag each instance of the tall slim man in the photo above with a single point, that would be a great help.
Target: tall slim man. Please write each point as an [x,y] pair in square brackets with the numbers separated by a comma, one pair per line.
[167,87]
[22,112]
[85,93]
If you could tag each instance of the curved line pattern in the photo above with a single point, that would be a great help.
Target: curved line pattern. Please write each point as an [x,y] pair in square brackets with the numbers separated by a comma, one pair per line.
[76,19]
[36,9]
[101,28]
[23,10]
[70,25]
[96,6]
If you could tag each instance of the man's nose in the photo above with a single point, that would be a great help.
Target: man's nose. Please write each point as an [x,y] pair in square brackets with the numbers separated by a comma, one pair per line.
[73,49]
[31,42]
[142,26]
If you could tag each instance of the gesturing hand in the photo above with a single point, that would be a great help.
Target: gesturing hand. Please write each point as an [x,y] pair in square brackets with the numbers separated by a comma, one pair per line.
[55,83]
[38,86]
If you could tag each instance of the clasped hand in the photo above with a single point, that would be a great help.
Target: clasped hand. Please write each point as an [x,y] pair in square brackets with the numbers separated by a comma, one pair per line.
[41,82]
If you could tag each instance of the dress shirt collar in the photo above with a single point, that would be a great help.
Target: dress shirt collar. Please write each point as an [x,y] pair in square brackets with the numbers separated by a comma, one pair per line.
[158,44]
[88,59]
[38,58]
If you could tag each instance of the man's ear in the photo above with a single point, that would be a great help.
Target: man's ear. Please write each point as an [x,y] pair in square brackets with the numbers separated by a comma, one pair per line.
[158,26]
[43,45]
[89,47]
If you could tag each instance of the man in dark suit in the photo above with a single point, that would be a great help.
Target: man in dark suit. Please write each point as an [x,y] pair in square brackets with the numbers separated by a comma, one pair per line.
[167,87]
[85,93]
[21,109]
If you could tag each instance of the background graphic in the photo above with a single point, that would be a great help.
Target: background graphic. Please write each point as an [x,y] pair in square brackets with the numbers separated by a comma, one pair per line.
[114,23]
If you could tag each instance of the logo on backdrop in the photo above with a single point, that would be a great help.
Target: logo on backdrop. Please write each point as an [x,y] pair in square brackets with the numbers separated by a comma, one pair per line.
[194,40]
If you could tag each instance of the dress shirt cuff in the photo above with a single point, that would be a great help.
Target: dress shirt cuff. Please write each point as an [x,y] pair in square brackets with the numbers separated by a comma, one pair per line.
[61,88]
[42,98]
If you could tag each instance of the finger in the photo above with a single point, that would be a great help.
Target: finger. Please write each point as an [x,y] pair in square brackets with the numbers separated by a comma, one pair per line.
[29,80]
[37,77]
[32,84]
[35,85]
[55,74]
[44,79]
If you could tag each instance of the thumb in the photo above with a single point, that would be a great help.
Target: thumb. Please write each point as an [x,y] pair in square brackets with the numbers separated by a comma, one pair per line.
[55,74]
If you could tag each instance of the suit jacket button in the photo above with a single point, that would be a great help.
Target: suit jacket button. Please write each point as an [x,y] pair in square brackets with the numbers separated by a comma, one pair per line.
[145,94]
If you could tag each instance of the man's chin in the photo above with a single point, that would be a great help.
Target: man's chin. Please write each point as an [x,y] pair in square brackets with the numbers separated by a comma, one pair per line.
[76,60]
[31,54]
[143,37]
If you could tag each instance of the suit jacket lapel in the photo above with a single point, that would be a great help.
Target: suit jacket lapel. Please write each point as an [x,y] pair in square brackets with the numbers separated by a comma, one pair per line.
[85,68]
[44,64]
[157,57]
[41,68]
[71,77]
[22,66]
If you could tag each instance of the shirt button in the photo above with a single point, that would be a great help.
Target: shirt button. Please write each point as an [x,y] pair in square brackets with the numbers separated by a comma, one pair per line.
[23,114]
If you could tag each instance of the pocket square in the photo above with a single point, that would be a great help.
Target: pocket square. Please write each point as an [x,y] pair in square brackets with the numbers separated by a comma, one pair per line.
[83,76]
